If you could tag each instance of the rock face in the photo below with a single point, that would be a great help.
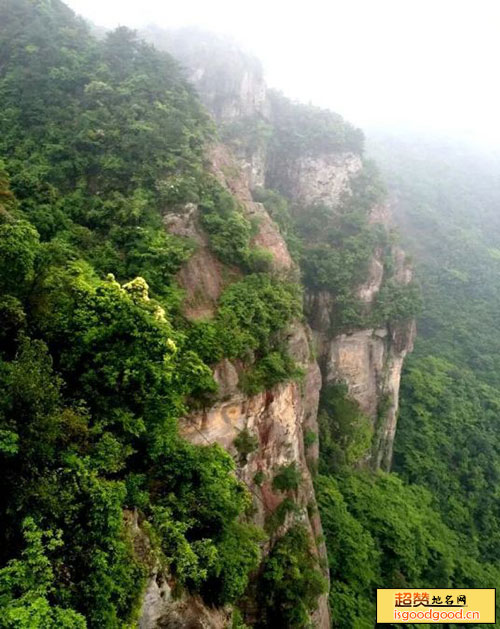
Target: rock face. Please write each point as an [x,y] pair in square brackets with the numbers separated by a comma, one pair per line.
[368,360]
[277,418]
[320,179]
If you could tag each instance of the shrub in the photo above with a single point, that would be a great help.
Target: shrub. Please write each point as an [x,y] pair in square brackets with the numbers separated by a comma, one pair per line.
[310,438]
[345,432]
[274,368]
[245,443]
[287,478]
[259,478]
[291,582]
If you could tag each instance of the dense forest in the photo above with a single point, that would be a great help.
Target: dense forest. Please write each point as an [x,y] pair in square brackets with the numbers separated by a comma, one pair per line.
[97,363]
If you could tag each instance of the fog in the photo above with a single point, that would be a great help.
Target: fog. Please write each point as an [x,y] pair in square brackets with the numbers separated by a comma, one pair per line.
[422,65]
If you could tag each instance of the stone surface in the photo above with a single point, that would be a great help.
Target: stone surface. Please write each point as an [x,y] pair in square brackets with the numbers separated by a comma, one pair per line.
[226,169]
[322,179]
[368,360]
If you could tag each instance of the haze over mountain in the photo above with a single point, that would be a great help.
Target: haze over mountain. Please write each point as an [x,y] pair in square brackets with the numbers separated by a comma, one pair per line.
[421,65]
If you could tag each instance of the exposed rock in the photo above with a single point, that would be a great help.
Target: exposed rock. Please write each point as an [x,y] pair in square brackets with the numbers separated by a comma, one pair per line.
[403,269]
[184,223]
[202,279]
[369,289]
[311,180]
[369,361]
[380,213]
[278,418]
[226,169]
[269,237]
[160,610]
[402,342]
[226,376]
[202,275]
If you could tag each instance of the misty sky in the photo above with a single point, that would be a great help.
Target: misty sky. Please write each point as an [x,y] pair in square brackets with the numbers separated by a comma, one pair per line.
[416,63]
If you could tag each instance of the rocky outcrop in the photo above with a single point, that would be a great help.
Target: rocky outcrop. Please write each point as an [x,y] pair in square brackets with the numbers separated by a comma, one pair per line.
[202,289]
[310,180]
[225,166]
[278,418]
[368,360]
[162,606]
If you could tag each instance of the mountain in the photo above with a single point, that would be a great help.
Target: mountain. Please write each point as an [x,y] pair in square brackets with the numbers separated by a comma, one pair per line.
[205,314]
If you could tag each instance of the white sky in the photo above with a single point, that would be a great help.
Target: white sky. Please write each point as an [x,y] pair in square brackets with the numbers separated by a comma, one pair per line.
[416,63]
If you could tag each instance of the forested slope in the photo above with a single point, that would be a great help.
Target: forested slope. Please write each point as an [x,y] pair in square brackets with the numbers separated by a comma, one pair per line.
[158,425]
[97,139]
[447,202]
[433,521]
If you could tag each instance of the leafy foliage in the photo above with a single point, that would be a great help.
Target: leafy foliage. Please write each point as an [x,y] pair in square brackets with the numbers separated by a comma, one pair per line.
[291,581]
[100,140]
[383,533]
[249,325]
[287,478]
[345,432]
[245,443]
[435,522]
[306,129]
[335,247]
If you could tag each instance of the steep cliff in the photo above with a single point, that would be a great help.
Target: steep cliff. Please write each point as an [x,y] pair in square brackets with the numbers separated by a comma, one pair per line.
[276,420]
[313,159]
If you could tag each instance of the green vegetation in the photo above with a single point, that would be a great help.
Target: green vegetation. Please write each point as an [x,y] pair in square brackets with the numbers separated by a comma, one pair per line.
[310,438]
[99,140]
[287,478]
[434,520]
[448,428]
[259,478]
[229,230]
[249,324]
[277,206]
[247,134]
[245,443]
[290,582]
[384,531]
[335,246]
[397,302]
[345,433]
[307,130]
[277,518]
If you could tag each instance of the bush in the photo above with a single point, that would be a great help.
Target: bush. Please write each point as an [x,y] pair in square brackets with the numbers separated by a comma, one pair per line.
[259,478]
[229,230]
[291,582]
[345,432]
[288,478]
[245,443]
[310,438]
[274,368]
[397,302]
